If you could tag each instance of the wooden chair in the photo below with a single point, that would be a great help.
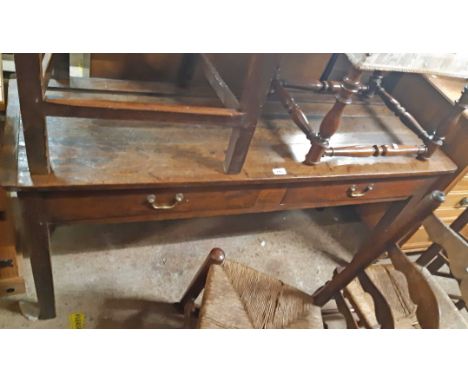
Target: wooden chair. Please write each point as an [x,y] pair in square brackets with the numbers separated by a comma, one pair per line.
[398,295]
[449,248]
[45,89]
[447,65]
[239,297]
[236,296]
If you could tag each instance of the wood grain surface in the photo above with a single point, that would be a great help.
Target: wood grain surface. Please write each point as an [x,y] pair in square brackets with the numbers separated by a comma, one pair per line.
[88,153]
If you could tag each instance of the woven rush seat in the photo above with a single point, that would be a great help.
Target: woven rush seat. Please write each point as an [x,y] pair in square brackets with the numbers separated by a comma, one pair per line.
[239,297]
[394,287]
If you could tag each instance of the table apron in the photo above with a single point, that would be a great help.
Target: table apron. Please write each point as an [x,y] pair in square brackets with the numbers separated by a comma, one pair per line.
[62,207]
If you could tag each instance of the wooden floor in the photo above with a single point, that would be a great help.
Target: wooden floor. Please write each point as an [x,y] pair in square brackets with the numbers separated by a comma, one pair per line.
[106,153]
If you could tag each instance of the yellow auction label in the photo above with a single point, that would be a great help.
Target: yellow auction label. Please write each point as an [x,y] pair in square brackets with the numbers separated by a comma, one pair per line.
[77,320]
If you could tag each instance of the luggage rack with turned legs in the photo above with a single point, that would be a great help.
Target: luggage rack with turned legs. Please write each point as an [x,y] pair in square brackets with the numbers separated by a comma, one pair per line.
[351,86]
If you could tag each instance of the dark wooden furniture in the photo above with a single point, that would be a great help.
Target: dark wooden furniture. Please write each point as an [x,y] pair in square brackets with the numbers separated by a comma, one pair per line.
[2,87]
[406,297]
[67,97]
[351,86]
[455,205]
[439,101]
[140,171]
[451,248]
[236,296]
[430,99]
[11,282]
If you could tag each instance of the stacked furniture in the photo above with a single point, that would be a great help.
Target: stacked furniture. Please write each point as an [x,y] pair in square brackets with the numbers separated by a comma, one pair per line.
[397,295]
[91,169]
[445,92]
[377,63]
[41,98]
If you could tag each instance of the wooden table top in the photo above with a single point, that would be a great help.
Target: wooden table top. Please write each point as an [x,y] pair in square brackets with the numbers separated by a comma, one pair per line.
[103,154]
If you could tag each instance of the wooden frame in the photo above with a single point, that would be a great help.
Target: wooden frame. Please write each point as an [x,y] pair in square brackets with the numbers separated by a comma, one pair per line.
[345,90]
[393,226]
[449,247]
[385,237]
[187,302]
[2,87]
[34,72]
[11,281]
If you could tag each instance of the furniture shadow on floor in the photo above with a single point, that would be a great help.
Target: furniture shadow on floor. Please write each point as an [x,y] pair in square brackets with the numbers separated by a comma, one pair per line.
[330,224]
[131,313]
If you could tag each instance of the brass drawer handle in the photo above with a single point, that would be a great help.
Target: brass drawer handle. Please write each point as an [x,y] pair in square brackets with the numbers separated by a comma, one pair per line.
[354,193]
[151,199]
[462,203]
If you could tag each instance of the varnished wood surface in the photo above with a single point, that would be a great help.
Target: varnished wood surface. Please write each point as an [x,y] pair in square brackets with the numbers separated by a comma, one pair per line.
[10,280]
[430,99]
[2,87]
[94,154]
[300,67]
[450,88]
[435,101]
[132,205]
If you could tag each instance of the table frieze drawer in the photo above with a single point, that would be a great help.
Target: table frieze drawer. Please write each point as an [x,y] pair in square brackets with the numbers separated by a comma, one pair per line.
[151,203]
[355,192]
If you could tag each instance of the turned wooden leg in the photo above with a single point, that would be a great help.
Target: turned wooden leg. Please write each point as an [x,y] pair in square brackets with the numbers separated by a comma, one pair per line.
[35,242]
[28,72]
[331,121]
[387,232]
[257,84]
[187,69]
[216,256]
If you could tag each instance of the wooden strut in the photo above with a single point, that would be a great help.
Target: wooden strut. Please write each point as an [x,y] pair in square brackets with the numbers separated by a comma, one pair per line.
[404,116]
[301,121]
[216,256]
[329,87]
[296,113]
[332,120]
[321,86]
[390,230]
[434,251]
[218,85]
[376,150]
[330,123]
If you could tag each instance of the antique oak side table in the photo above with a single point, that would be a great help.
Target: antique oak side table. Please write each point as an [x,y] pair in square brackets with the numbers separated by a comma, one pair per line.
[120,171]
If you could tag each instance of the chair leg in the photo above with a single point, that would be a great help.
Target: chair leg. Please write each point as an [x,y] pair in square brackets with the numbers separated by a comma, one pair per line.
[216,256]
[189,310]
[256,87]
[332,120]
[35,242]
[29,72]
[187,69]
[388,231]
[345,311]
[61,66]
